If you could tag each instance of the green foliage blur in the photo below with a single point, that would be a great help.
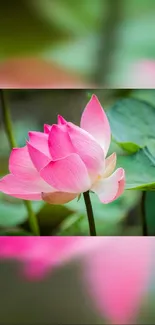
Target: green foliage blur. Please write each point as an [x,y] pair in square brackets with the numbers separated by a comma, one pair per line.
[98,40]
[132,118]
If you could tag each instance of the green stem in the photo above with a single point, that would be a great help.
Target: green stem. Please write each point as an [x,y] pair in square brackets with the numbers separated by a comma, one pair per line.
[89,213]
[7,120]
[143,213]
[33,223]
[108,40]
[9,131]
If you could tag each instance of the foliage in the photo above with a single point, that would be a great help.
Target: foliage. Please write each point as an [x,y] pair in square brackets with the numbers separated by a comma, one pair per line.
[71,34]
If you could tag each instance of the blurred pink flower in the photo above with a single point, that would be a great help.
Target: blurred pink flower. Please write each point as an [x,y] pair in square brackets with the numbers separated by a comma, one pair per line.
[42,254]
[32,72]
[141,74]
[38,254]
[115,269]
[118,275]
[66,160]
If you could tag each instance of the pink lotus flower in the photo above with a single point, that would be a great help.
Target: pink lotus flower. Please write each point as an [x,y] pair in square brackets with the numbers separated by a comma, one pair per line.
[116,270]
[66,160]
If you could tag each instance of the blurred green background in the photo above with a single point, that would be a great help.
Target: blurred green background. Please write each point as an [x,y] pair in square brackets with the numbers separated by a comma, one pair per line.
[30,109]
[58,298]
[61,297]
[83,42]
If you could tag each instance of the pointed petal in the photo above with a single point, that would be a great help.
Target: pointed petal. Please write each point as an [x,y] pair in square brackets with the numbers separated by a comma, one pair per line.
[88,149]
[61,120]
[39,140]
[38,158]
[59,142]
[47,128]
[94,121]
[58,197]
[109,189]
[25,189]
[20,164]
[68,174]
[110,164]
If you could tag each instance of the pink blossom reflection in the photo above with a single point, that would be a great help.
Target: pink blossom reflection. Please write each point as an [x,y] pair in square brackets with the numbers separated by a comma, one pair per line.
[115,270]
